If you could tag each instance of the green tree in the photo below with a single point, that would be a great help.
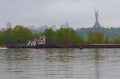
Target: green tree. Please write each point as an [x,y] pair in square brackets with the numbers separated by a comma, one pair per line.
[117,40]
[0,37]
[107,41]
[68,36]
[21,35]
[62,36]
[95,38]
[36,35]
[5,36]
[50,36]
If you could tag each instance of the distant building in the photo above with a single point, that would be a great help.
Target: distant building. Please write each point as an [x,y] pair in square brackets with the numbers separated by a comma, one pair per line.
[53,27]
[32,27]
[97,24]
[9,25]
[4,29]
[42,28]
[66,25]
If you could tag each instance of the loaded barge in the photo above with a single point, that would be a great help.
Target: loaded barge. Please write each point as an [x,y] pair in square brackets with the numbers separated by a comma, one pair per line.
[81,46]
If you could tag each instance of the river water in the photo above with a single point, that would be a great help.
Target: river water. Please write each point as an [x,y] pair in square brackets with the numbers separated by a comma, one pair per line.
[59,64]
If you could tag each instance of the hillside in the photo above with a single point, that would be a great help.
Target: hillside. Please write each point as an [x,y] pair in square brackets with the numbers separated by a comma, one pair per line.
[108,32]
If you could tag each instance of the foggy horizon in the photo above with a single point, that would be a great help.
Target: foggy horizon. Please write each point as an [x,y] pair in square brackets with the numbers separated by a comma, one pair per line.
[78,13]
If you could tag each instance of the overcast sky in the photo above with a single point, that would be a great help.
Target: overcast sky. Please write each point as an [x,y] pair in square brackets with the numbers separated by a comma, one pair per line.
[78,13]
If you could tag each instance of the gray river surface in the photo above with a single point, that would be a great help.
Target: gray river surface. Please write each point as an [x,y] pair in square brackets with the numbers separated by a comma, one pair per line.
[59,64]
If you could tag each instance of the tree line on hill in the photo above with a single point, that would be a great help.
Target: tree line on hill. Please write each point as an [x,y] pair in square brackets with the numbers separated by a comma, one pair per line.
[110,33]
[20,35]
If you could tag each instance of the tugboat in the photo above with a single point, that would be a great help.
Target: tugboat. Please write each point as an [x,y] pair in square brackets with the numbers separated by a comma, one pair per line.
[40,42]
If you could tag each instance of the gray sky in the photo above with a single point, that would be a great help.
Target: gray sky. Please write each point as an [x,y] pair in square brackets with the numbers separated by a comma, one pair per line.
[78,13]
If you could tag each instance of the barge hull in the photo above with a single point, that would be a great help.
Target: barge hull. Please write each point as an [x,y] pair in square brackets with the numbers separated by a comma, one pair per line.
[81,46]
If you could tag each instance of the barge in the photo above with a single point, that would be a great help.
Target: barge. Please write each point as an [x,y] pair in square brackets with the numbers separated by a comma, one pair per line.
[81,46]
